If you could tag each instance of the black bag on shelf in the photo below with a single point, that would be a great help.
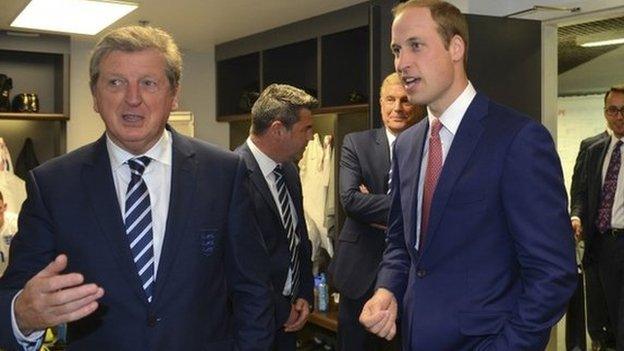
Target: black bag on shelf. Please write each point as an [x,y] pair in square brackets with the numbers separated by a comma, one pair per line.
[6,84]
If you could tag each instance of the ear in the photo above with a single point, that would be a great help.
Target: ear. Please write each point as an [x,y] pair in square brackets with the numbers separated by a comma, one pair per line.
[277,128]
[457,48]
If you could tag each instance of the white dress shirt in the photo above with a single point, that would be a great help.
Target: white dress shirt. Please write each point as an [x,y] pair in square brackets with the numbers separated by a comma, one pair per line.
[157,177]
[617,212]
[267,165]
[450,119]
[391,138]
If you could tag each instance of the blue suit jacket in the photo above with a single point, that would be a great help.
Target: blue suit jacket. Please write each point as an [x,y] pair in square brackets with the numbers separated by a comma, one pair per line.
[497,267]
[211,290]
[270,225]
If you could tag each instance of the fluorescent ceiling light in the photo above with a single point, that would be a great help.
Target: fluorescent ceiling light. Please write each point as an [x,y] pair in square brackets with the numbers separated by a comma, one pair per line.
[72,16]
[609,37]
[603,43]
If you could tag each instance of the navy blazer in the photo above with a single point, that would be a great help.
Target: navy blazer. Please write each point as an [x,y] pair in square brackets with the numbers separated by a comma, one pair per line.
[365,159]
[268,218]
[211,290]
[497,267]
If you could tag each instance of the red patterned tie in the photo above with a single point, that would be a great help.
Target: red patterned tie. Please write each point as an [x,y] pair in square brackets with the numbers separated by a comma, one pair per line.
[434,167]
[603,222]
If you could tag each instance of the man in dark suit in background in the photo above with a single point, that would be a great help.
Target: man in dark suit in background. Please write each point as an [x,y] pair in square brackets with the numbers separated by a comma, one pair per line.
[599,211]
[480,254]
[281,126]
[364,164]
[139,241]
[589,289]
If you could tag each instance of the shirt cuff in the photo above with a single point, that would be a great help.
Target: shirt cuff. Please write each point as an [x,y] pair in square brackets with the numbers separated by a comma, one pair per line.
[31,342]
[575,217]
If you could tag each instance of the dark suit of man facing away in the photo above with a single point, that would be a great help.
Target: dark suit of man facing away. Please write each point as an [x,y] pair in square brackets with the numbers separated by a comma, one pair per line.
[600,209]
[364,164]
[105,247]
[281,126]
[480,253]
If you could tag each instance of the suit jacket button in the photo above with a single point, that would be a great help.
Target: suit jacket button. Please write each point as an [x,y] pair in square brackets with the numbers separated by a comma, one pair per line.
[152,321]
[421,273]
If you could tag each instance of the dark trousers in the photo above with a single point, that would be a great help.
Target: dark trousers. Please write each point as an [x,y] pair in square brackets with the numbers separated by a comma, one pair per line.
[598,324]
[610,256]
[351,334]
[285,341]
[575,320]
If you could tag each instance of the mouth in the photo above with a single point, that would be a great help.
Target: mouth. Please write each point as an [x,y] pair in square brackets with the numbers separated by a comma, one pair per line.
[132,118]
[410,82]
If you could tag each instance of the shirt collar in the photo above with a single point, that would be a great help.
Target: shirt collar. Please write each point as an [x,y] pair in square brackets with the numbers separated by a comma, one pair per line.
[160,152]
[452,117]
[267,165]
[391,137]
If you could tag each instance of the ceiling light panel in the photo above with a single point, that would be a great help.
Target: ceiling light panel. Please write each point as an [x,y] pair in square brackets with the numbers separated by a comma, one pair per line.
[72,16]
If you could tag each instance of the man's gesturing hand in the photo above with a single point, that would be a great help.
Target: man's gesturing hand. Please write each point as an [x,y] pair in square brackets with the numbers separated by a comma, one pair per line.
[51,298]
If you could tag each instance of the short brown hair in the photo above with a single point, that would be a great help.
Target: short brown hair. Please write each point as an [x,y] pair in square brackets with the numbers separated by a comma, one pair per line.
[279,102]
[614,89]
[450,20]
[138,38]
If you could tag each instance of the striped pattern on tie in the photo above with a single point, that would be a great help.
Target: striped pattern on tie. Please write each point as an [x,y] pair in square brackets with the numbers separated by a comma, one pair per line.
[138,224]
[390,170]
[291,235]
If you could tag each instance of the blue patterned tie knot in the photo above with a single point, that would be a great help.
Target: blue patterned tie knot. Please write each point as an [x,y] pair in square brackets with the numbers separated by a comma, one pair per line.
[138,224]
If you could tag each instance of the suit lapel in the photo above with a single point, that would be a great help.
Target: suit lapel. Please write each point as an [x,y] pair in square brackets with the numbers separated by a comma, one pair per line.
[257,178]
[464,143]
[183,185]
[105,205]
[381,151]
[410,169]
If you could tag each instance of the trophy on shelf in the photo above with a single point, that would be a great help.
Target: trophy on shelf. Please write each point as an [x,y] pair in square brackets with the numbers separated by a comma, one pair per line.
[26,102]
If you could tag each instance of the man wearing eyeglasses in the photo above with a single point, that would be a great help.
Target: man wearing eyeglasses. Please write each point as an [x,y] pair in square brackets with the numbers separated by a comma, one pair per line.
[600,207]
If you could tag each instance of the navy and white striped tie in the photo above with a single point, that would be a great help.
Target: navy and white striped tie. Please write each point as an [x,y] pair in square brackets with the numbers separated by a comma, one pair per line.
[291,235]
[138,222]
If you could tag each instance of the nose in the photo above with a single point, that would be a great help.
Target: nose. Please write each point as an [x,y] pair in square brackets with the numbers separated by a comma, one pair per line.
[398,105]
[133,95]
[400,63]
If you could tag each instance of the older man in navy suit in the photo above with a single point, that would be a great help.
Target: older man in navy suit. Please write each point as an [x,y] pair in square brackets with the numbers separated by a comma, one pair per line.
[140,240]
[364,163]
[480,251]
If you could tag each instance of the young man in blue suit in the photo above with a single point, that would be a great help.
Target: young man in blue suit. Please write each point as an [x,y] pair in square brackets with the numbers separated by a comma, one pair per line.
[364,163]
[281,126]
[480,251]
[140,240]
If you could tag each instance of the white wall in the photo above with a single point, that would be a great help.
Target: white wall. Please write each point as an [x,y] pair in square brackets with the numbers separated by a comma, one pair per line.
[198,95]
[579,117]
[84,124]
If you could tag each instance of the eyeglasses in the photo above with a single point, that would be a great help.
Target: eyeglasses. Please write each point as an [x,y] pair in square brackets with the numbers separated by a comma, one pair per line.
[612,111]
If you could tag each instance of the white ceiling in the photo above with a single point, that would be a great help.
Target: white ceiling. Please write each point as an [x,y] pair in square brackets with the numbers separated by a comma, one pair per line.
[198,25]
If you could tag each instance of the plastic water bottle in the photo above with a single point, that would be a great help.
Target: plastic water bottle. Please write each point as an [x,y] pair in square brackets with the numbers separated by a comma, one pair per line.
[323,294]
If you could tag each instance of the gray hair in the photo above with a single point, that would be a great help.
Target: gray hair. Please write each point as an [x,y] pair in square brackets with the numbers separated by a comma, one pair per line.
[279,102]
[138,38]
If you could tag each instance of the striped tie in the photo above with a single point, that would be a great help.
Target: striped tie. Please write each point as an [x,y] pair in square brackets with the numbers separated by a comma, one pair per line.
[138,223]
[390,171]
[287,221]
